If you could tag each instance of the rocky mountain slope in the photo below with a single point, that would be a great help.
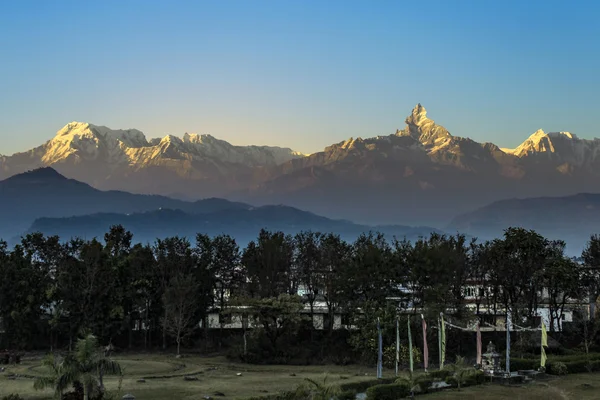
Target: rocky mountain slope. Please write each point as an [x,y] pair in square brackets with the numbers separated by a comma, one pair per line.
[421,174]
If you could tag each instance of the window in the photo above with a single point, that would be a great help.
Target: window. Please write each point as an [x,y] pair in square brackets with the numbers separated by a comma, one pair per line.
[224,318]
[346,319]
[481,292]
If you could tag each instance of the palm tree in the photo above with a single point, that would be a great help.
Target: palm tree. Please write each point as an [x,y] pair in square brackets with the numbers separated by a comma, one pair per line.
[321,391]
[52,363]
[86,366]
[461,370]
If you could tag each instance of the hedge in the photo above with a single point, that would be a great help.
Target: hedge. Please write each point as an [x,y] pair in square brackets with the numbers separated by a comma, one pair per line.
[473,378]
[362,386]
[440,375]
[575,364]
[392,391]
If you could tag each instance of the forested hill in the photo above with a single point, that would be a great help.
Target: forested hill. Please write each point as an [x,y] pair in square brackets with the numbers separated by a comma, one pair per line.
[242,224]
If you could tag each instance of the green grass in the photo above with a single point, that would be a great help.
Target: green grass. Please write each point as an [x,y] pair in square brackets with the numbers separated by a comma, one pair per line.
[164,380]
[164,377]
[570,387]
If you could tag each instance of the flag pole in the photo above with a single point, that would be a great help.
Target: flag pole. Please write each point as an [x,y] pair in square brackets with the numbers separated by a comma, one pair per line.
[440,344]
[410,349]
[379,352]
[425,347]
[442,339]
[397,343]
[508,323]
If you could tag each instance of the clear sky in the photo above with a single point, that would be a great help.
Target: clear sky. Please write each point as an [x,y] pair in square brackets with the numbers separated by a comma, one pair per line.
[298,73]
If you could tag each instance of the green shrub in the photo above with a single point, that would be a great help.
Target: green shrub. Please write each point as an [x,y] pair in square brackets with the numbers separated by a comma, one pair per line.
[452,381]
[474,377]
[424,382]
[362,386]
[392,391]
[558,368]
[12,397]
[518,364]
[471,378]
[440,375]
[346,395]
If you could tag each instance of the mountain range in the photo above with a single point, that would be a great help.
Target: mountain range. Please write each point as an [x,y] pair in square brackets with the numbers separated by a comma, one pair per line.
[43,200]
[570,218]
[418,175]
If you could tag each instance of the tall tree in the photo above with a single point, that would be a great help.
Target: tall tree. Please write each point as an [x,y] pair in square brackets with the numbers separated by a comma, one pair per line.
[118,246]
[518,260]
[334,258]
[142,287]
[268,262]
[174,257]
[180,304]
[226,272]
[308,267]
[591,271]
[561,279]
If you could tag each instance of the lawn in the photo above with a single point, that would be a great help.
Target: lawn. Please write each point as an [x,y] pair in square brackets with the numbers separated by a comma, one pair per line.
[164,380]
[164,377]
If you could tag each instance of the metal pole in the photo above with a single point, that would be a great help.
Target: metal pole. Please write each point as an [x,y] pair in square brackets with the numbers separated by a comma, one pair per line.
[508,323]
[379,352]
[397,344]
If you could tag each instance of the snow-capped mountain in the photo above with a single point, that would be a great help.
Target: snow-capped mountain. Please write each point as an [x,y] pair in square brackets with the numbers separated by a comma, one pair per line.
[125,159]
[420,174]
[83,141]
[559,147]
[424,174]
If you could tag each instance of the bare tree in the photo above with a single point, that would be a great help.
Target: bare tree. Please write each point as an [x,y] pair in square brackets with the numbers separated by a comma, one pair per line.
[180,307]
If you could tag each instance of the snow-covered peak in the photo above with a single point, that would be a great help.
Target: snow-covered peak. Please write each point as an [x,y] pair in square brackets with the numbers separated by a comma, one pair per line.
[563,135]
[424,129]
[76,130]
[563,147]
[198,139]
[82,141]
[418,116]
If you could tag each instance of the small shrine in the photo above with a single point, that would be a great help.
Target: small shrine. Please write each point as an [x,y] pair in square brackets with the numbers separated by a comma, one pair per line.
[490,361]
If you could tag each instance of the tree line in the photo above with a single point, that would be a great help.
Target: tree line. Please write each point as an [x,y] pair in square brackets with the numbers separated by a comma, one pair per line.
[53,291]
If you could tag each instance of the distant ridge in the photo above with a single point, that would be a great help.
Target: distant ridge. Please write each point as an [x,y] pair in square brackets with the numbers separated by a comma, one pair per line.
[44,192]
[570,218]
[43,200]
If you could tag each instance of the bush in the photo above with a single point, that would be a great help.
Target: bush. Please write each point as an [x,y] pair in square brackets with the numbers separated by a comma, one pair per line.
[346,395]
[12,397]
[472,378]
[518,364]
[362,386]
[391,391]
[424,382]
[475,377]
[558,368]
[440,375]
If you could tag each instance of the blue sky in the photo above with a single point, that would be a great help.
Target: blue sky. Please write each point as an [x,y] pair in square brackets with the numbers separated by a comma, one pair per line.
[302,74]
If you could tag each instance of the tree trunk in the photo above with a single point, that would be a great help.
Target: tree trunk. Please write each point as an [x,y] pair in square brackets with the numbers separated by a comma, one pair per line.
[312,320]
[130,331]
[164,343]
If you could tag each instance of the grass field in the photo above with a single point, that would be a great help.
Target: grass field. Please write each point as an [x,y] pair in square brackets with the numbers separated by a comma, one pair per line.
[164,380]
